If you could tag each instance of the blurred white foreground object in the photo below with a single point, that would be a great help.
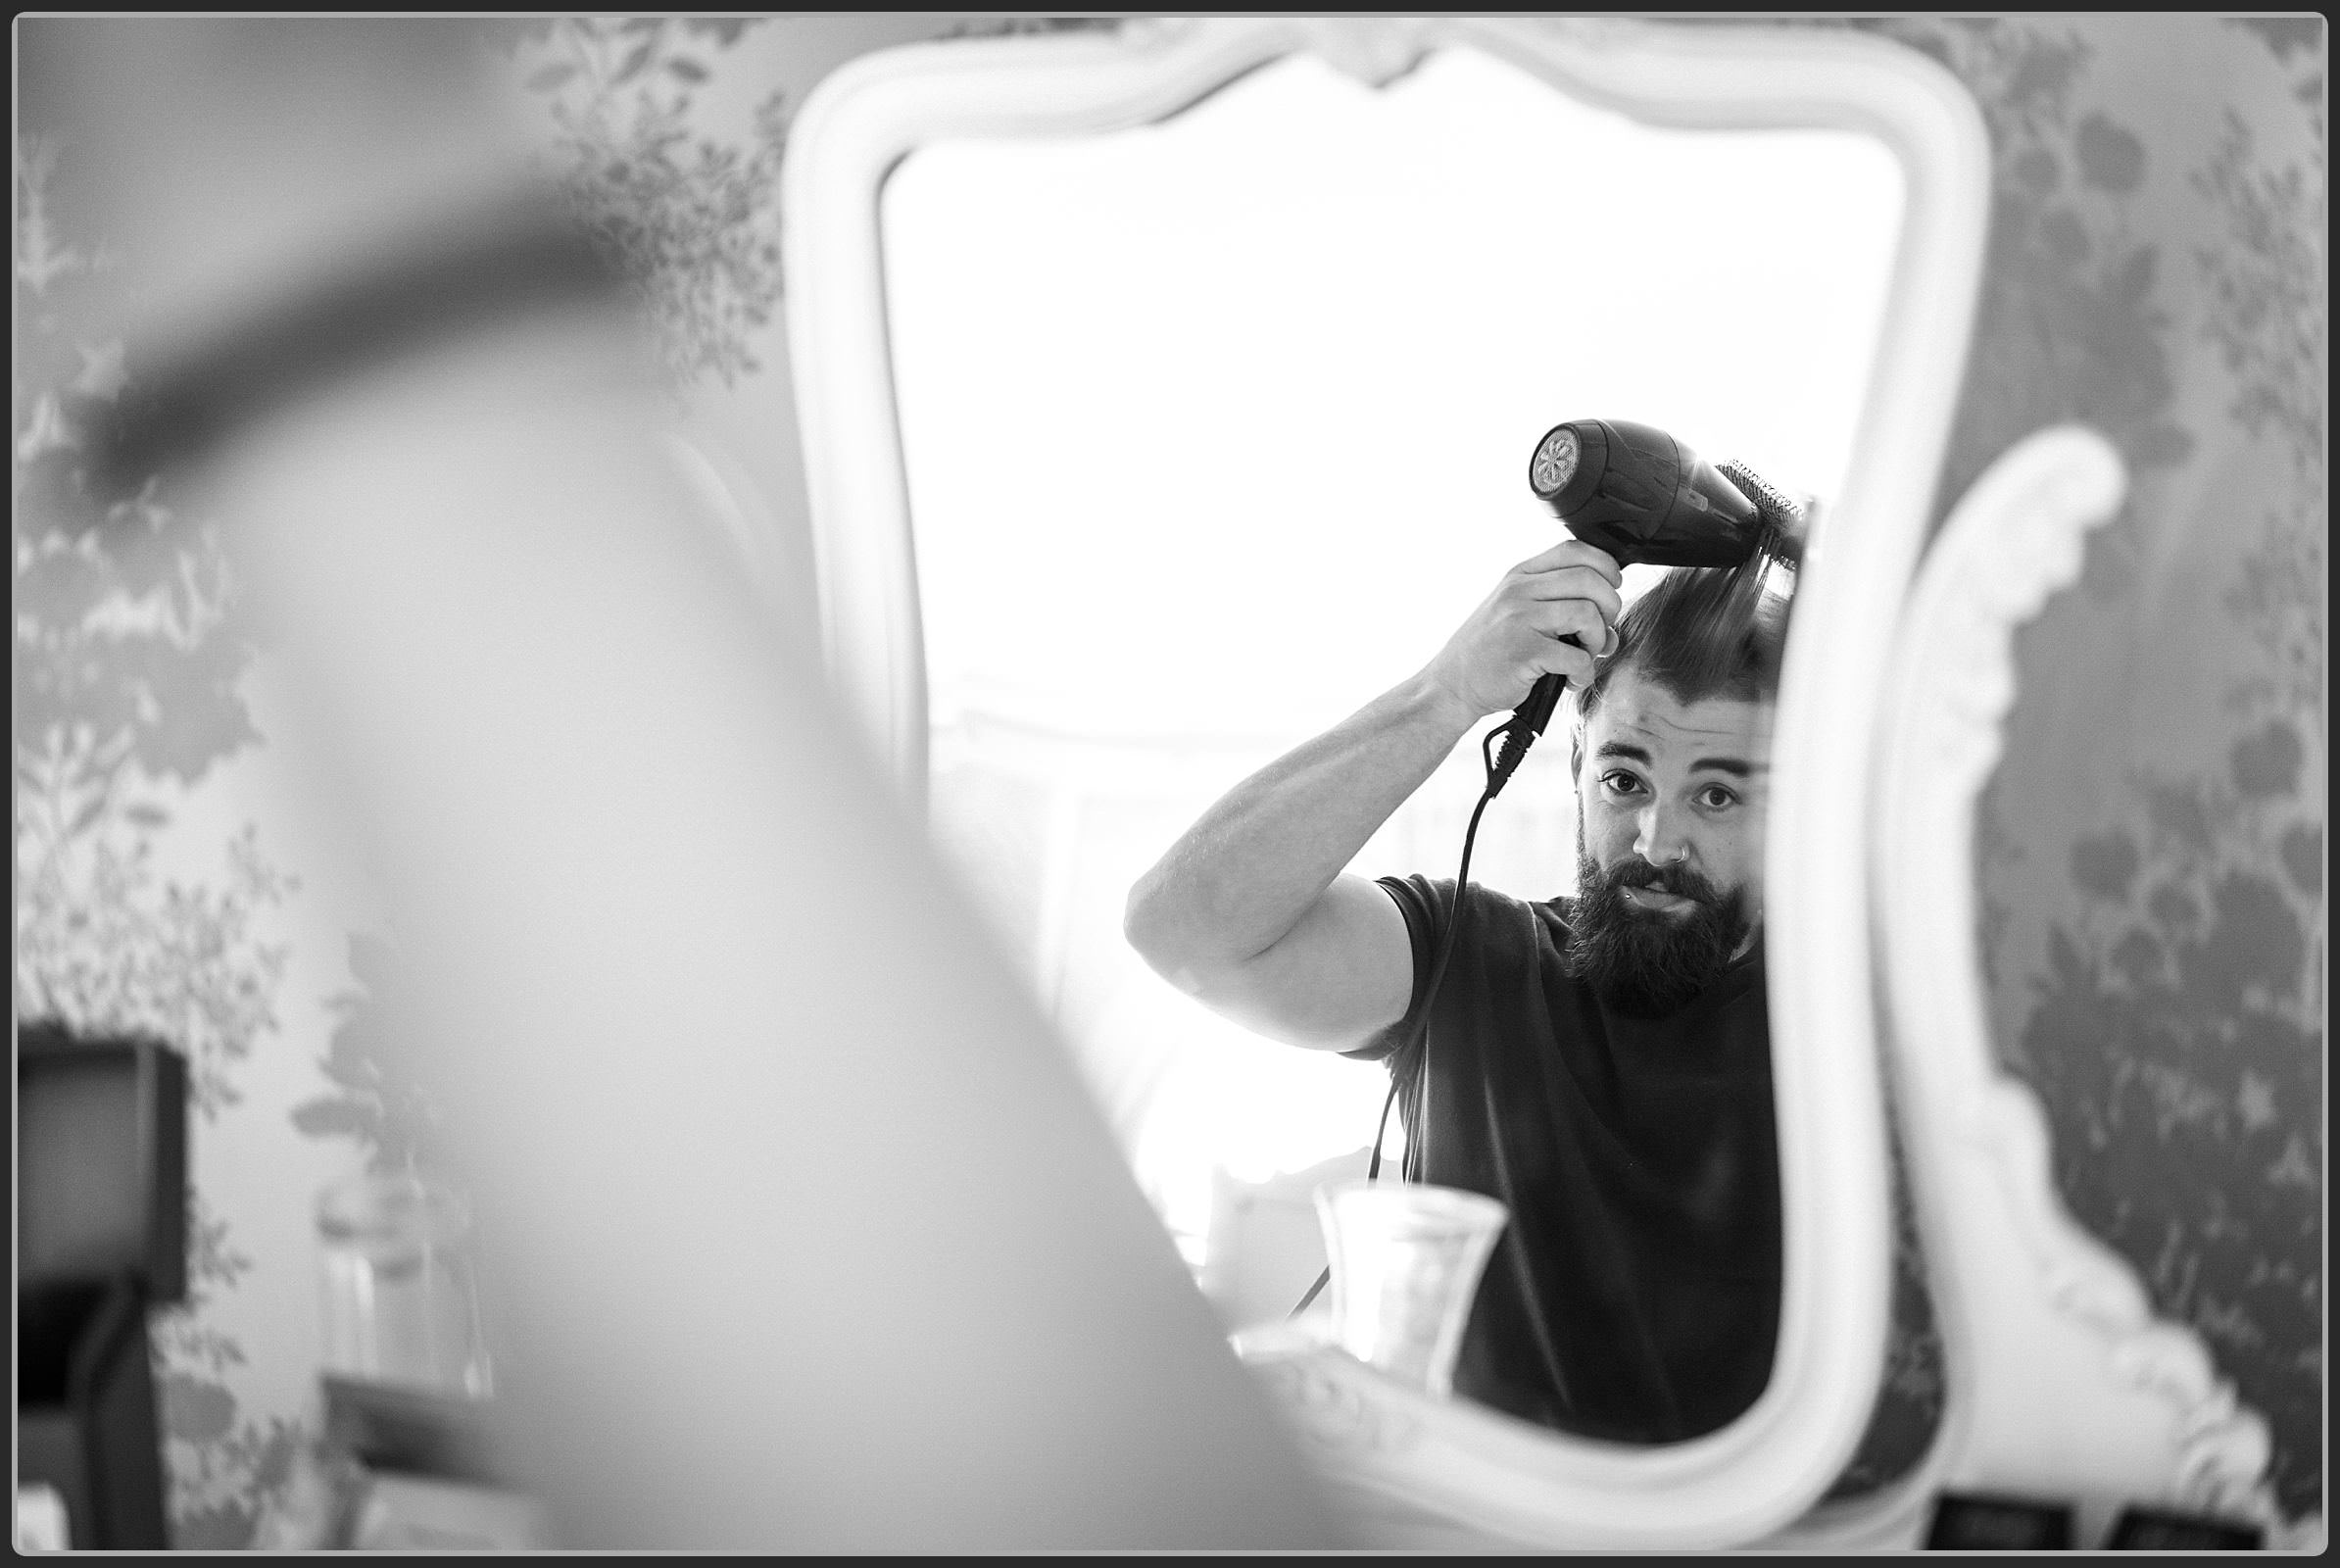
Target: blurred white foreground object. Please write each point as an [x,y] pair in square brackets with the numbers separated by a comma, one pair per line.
[798,1231]
[1405,1259]
[804,1233]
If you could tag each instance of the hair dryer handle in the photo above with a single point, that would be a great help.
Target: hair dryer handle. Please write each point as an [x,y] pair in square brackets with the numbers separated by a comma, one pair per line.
[1545,696]
[1526,723]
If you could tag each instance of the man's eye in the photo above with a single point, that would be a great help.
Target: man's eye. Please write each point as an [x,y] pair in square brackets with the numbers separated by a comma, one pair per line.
[1715,798]
[1620,783]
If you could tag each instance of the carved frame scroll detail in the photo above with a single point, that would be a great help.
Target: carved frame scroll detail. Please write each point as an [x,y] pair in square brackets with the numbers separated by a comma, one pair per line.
[2062,1382]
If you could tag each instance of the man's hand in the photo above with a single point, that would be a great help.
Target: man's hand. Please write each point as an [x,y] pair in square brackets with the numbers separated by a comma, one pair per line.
[1495,659]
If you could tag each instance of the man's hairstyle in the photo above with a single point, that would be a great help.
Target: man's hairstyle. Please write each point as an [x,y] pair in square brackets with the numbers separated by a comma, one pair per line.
[1700,632]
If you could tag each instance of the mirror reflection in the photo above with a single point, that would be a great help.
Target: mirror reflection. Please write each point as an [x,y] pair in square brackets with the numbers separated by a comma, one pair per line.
[1217,436]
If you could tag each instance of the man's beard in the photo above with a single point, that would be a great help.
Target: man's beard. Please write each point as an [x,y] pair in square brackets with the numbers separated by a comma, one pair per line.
[1644,964]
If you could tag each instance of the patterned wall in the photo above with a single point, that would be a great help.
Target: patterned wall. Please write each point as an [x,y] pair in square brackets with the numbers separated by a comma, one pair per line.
[129,665]
[2152,860]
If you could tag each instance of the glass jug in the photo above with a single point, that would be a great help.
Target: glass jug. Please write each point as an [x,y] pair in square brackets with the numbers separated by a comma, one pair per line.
[401,1301]
[1405,1260]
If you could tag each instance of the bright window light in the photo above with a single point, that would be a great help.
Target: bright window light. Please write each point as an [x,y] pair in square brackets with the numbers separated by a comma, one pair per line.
[1217,428]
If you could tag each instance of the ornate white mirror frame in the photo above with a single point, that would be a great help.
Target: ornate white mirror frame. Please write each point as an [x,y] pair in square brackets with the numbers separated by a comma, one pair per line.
[1448,1472]
[2062,1383]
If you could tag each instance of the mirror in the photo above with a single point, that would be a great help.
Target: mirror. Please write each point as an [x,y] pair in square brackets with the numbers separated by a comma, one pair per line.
[1167,396]
[1216,428]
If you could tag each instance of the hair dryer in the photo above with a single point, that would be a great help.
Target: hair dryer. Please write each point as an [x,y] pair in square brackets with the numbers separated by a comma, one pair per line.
[1636,492]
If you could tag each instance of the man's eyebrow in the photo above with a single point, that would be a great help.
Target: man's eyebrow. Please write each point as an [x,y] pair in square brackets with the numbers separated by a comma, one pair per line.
[1736,767]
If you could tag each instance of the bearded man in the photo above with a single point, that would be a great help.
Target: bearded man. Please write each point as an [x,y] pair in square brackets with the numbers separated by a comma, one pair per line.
[1599,1063]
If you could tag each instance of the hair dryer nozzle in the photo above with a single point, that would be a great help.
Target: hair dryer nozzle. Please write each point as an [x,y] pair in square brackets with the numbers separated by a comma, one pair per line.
[1569,464]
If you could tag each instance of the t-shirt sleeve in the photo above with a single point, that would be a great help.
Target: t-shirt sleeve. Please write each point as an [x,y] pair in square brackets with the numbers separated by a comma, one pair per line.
[1426,906]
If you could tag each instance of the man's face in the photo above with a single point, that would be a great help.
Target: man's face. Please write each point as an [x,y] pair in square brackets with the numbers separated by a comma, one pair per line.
[1671,800]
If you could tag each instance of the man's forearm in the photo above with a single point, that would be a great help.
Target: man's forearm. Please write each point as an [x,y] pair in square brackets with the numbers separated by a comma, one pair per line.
[1243,875]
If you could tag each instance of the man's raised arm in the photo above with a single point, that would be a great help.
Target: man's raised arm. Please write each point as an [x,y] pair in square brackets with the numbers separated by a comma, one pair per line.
[1249,912]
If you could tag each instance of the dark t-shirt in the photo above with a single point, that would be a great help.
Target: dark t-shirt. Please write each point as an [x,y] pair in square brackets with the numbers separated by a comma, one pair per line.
[1635,1294]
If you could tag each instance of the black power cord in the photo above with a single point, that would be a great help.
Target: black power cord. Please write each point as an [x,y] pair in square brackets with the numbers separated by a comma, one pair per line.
[1518,733]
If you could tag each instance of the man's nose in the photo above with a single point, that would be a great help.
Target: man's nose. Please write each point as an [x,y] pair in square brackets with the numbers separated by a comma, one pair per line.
[1662,838]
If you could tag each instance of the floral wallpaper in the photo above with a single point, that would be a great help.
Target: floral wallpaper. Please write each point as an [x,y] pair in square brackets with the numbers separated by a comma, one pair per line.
[2153,845]
[128,656]
[694,220]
